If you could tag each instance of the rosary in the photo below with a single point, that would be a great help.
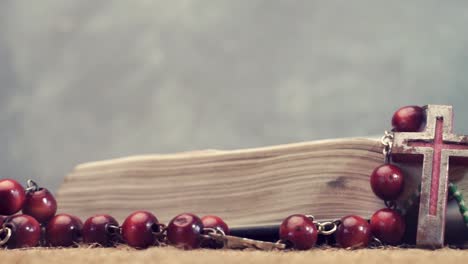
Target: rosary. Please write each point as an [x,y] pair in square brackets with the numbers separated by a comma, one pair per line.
[419,133]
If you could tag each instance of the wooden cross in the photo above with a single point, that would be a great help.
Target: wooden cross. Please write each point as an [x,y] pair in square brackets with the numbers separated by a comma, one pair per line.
[438,146]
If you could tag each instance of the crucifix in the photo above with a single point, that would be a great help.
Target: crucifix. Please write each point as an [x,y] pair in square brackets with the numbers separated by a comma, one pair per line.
[438,146]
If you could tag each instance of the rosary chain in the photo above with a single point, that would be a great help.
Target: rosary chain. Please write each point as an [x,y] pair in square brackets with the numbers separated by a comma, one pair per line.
[327,228]
[6,232]
[216,230]
[31,186]
[387,142]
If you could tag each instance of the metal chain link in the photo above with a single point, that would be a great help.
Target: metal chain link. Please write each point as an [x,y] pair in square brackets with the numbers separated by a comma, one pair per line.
[216,230]
[327,228]
[7,233]
[387,142]
[31,186]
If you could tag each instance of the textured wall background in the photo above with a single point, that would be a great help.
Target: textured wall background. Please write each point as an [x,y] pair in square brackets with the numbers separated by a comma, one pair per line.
[90,80]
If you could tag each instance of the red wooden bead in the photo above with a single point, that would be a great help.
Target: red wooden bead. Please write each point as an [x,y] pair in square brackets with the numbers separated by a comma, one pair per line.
[353,232]
[40,204]
[387,182]
[25,231]
[212,221]
[215,222]
[138,229]
[63,230]
[388,226]
[11,196]
[96,229]
[184,231]
[408,119]
[299,231]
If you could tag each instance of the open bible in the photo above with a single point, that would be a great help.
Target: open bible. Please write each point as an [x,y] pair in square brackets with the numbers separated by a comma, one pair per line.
[260,186]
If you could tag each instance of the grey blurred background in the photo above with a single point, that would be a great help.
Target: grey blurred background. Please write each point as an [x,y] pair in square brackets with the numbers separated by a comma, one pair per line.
[90,80]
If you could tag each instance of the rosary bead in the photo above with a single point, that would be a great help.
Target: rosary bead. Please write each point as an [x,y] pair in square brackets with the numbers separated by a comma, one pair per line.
[353,232]
[215,222]
[25,231]
[388,226]
[12,197]
[98,229]
[184,231]
[212,221]
[408,119]
[40,204]
[63,230]
[387,182]
[299,231]
[138,229]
